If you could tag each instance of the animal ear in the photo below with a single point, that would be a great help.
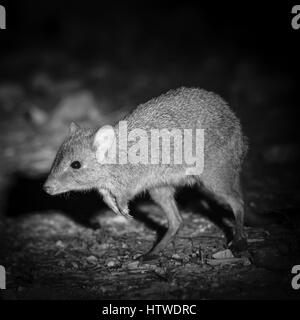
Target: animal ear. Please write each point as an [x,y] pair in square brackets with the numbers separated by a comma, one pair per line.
[103,141]
[73,127]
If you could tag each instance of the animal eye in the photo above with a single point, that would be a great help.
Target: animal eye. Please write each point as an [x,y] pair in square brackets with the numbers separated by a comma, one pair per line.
[75,164]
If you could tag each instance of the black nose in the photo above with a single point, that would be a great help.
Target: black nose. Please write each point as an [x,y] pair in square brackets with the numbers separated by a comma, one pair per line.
[48,189]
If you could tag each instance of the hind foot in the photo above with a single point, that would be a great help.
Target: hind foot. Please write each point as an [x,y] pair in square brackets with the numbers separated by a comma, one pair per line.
[238,245]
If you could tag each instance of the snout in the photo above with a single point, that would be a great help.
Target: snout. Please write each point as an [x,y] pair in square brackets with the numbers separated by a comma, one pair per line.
[52,187]
[49,189]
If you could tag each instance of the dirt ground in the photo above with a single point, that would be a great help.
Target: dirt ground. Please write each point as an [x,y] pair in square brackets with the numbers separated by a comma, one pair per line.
[73,246]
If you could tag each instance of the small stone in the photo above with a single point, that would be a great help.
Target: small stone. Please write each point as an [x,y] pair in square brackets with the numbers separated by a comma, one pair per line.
[92,259]
[111,263]
[225,254]
[133,265]
[59,244]
[158,270]
[175,256]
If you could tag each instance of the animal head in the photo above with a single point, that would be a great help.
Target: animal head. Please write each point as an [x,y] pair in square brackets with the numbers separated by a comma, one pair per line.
[77,165]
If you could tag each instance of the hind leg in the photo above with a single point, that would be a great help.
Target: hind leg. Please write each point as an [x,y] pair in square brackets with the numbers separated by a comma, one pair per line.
[237,205]
[164,197]
[228,193]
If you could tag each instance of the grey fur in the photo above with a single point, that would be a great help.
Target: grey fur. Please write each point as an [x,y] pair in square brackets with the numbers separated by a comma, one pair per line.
[224,150]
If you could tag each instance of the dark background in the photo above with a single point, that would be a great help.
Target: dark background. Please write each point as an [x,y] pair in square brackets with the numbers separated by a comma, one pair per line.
[147,34]
[172,30]
[80,60]
[178,39]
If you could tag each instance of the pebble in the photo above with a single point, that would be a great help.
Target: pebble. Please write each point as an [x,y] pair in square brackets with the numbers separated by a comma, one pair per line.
[136,256]
[111,263]
[59,244]
[224,254]
[133,265]
[92,259]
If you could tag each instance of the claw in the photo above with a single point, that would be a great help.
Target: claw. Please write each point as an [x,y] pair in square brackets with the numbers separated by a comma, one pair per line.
[118,206]
[125,212]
